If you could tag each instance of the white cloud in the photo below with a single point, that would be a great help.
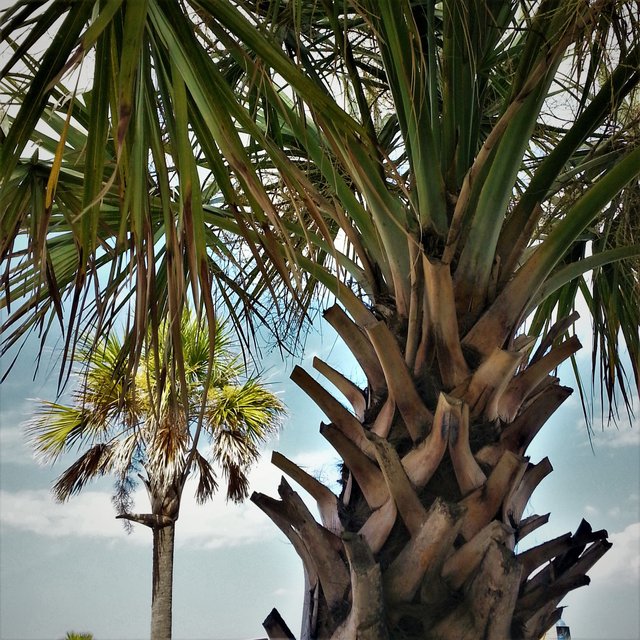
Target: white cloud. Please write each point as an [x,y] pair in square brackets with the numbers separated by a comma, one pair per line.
[15,411]
[215,524]
[13,446]
[616,438]
[610,436]
[89,514]
[622,562]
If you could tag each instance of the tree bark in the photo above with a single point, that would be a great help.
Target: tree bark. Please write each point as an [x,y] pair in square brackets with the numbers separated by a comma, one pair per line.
[276,627]
[421,541]
[162,589]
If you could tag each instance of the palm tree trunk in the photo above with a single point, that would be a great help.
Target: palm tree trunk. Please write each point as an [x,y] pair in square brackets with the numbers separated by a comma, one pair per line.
[163,539]
[421,541]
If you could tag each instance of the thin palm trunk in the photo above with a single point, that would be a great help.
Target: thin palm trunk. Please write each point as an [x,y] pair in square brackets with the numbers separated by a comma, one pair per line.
[163,539]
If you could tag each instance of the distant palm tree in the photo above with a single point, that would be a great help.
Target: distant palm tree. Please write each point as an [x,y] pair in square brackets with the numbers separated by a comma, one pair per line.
[207,420]
[72,635]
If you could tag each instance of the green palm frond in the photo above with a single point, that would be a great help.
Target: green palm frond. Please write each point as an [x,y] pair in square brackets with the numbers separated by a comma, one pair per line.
[57,428]
[253,154]
[248,409]
[238,420]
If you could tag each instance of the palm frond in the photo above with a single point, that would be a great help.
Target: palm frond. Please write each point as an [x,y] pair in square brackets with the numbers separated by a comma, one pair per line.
[207,481]
[257,152]
[237,482]
[95,462]
[248,409]
[57,428]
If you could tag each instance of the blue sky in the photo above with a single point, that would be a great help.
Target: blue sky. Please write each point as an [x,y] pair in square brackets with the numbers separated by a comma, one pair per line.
[73,567]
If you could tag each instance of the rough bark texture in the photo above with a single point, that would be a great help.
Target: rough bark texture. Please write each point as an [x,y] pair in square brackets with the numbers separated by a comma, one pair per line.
[161,598]
[420,542]
[165,506]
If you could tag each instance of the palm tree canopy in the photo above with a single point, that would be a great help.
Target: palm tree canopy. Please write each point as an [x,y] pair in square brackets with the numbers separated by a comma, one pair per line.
[218,422]
[248,151]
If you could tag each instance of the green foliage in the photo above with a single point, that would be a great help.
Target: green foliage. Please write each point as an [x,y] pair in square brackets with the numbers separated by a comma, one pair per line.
[258,154]
[158,422]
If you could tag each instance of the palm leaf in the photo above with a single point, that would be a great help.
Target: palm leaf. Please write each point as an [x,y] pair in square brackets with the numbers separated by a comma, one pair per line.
[91,464]
[314,184]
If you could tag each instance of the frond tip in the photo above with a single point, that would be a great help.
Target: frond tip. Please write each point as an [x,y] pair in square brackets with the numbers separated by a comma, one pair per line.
[207,480]
[237,482]
[56,429]
[91,464]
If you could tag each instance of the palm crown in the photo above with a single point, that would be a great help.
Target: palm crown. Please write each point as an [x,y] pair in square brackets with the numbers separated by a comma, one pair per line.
[340,145]
[211,420]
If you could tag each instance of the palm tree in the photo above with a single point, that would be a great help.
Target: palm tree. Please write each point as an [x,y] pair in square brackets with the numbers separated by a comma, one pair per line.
[454,174]
[209,421]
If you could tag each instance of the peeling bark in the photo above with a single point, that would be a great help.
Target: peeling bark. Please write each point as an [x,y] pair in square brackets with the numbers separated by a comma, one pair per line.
[483,504]
[325,499]
[557,329]
[517,500]
[442,309]
[489,382]
[339,416]
[489,600]
[524,384]
[360,347]
[364,470]
[519,435]
[384,420]
[531,524]
[464,562]
[533,558]
[426,528]
[349,390]
[417,418]
[426,547]
[468,472]
[402,491]
[366,619]
[378,526]
[422,461]
[276,627]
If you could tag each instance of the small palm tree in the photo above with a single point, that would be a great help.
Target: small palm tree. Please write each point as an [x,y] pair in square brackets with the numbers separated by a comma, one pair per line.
[161,429]
[72,635]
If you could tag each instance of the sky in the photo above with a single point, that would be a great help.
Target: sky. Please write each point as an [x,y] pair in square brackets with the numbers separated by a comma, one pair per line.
[73,567]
